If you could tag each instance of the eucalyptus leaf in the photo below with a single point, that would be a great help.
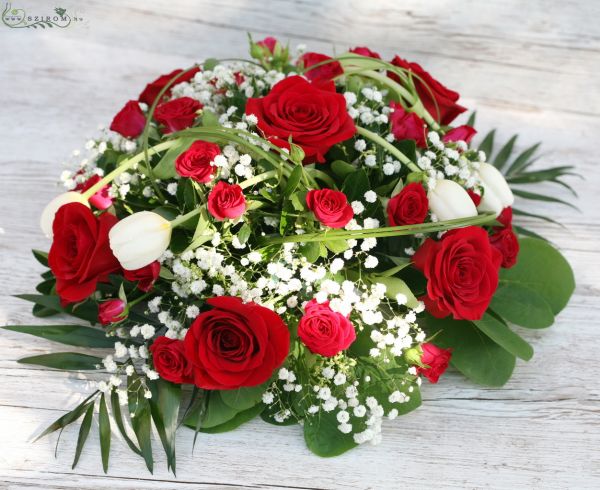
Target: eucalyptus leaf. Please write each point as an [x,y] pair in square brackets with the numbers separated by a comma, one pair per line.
[522,306]
[243,398]
[500,333]
[394,287]
[323,437]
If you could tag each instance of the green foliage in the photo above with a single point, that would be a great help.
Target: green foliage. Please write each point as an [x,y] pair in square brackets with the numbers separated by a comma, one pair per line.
[104,431]
[139,410]
[522,306]
[165,168]
[499,332]
[76,335]
[323,437]
[84,431]
[243,398]
[69,361]
[164,407]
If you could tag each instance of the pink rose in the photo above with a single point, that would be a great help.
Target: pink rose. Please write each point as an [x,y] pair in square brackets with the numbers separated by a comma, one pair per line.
[407,125]
[464,133]
[111,311]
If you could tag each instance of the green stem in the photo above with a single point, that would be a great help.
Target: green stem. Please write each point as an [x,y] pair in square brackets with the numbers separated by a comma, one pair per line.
[184,217]
[388,146]
[124,166]
[137,300]
[258,178]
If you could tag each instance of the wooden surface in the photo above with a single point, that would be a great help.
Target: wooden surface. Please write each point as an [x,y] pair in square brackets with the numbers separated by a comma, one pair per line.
[529,67]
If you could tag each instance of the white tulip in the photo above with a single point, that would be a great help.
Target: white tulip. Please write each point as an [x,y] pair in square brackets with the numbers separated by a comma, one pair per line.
[496,193]
[448,200]
[139,239]
[49,212]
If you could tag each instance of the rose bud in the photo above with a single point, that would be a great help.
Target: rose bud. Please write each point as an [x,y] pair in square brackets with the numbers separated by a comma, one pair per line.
[364,51]
[53,206]
[460,133]
[145,277]
[322,73]
[407,125]
[102,199]
[448,200]
[111,311]
[226,201]
[140,239]
[129,121]
[436,359]
[496,193]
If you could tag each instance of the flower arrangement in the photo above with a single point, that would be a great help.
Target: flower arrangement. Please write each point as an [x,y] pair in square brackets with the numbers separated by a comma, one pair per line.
[304,242]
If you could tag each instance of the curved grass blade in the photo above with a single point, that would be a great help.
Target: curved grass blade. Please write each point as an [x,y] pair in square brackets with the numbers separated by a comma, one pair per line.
[104,431]
[523,160]
[504,153]
[487,145]
[67,418]
[118,417]
[84,431]
[541,197]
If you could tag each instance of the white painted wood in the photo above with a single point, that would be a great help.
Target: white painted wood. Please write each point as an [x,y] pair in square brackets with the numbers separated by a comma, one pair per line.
[527,67]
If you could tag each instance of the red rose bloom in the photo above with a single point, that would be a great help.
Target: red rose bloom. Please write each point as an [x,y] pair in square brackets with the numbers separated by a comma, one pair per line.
[313,115]
[100,200]
[235,344]
[505,217]
[324,331]
[439,101]
[111,311]
[129,121]
[152,90]
[226,201]
[407,125]
[437,360]
[476,198]
[409,207]
[330,207]
[460,133]
[364,51]
[505,241]
[80,255]
[268,42]
[145,276]
[170,362]
[322,73]
[196,161]
[177,114]
[461,271]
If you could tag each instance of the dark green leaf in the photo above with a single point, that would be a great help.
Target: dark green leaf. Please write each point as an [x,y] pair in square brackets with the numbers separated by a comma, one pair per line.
[239,419]
[293,181]
[84,430]
[68,418]
[87,310]
[210,63]
[42,257]
[409,148]
[500,333]
[104,431]
[324,438]
[40,311]
[471,120]
[311,250]
[342,169]
[355,185]
[395,286]
[525,232]
[336,246]
[165,168]
[504,153]
[164,406]
[69,361]
[537,216]
[540,175]
[541,197]
[217,413]
[523,160]
[139,409]
[118,418]
[45,287]
[243,398]
[487,145]
[522,306]
[77,335]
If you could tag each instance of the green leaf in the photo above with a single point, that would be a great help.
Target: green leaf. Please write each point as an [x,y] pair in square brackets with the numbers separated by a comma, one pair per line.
[42,257]
[209,119]
[210,63]
[76,335]
[84,431]
[104,431]
[499,332]
[471,120]
[395,286]
[541,175]
[164,406]
[139,409]
[409,148]
[522,306]
[504,153]
[342,169]
[474,354]
[40,311]
[542,269]
[536,216]
[523,160]
[165,168]
[86,310]
[324,438]
[337,246]
[239,419]
[487,145]
[118,418]
[68,361]
[540,197]
[243,398]
[217,412]
[311,251]
[355,185]
[293,181]
[68,418]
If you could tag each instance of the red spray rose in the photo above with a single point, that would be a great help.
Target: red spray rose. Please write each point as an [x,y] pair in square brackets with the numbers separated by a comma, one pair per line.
[364,51]
[100,200]
[111,311]
[235,344]
[226,201]
[439,101]
[330,207]
[145,276]
[322,73]
[80,255]
[461,271]
[324,331]
[129,121]
[196,161]
[407,125]
[409,207]
[505,217]
[476,198]
[268,42]
[152,90]
[313,115]
[177,114]
[170,362]
[460,133]
[505,241]
[436,359]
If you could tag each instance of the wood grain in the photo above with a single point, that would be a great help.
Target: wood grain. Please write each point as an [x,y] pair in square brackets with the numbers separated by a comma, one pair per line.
[530,68]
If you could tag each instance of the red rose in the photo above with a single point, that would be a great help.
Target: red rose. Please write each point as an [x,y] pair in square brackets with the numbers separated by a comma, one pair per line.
[170,361]
[196,161]
[226,201]
[129,121]
[409,207]
[436,359]
[145,277]
[268,42]
[324,331]
[476,198]
[330,207]
[152,90]
[407,125]
[313,115]
[235,344]
[439,101]
[111,311]
[505,217]
[460,133]
[364,51]
[102,199]
[80,255]
[461,271]
[177,114]
[322,73]
[505,241]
